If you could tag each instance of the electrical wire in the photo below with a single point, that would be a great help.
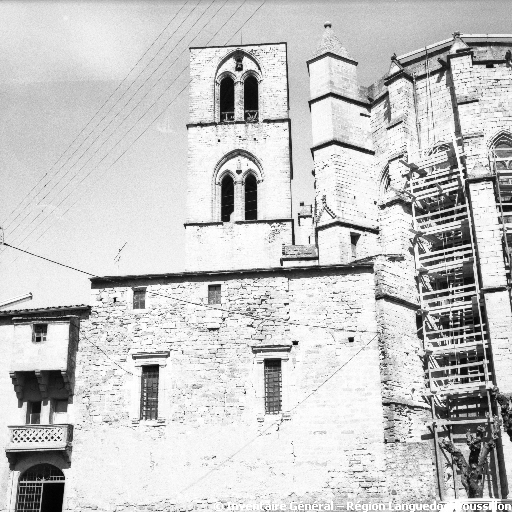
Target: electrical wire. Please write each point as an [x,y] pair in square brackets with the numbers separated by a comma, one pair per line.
[116,115]
[140,117]
[97,112]
[151,122]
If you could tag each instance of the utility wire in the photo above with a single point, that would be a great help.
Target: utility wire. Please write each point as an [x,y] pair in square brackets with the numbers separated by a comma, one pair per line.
[275,424]
[184,301]
[151,122]
[115,117]
[98,111]
[135,124]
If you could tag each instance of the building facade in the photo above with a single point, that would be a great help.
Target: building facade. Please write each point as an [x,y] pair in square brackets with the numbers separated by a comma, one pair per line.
[314,361]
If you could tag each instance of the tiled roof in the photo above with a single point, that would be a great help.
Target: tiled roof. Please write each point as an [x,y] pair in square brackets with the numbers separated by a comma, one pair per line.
[49,309]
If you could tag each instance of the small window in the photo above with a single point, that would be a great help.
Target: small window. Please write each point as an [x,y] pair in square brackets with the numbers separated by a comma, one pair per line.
[39,333]
[149,393]
[33,413]
[59,412]
[139,299]
[227,199]
[251,198]
[354,239]
[251,107]
[214,295]
[227,100]
[273,384]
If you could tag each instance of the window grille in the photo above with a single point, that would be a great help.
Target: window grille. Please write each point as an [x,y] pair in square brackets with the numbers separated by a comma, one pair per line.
[149,393]
[214,294]
[251,198]
[39,333]
[273,384]
[40,488]
[227,199]
[139,299]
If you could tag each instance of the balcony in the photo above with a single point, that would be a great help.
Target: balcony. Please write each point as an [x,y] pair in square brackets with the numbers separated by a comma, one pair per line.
[40,438]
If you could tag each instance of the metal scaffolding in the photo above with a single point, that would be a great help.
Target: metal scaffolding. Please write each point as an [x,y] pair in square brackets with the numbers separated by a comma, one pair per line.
[457,363]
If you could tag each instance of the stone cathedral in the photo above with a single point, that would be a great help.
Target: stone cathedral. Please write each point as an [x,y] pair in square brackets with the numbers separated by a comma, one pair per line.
[317,361]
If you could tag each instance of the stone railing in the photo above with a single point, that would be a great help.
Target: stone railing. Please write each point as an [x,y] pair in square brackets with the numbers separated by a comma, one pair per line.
[39,437]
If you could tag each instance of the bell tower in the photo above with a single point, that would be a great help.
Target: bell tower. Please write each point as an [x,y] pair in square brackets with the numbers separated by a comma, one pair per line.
[239,158]
[345,181]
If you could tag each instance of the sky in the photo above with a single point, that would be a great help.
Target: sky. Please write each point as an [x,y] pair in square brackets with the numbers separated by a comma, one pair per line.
[94,106]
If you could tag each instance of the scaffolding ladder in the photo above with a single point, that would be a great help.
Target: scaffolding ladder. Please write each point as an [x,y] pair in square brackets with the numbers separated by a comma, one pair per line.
[457,367]
[501,164]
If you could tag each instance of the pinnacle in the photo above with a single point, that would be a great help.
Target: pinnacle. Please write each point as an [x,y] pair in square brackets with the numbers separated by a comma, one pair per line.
[330,43]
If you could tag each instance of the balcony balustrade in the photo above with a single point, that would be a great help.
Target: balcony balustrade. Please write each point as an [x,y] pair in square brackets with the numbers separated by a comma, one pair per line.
[39,438]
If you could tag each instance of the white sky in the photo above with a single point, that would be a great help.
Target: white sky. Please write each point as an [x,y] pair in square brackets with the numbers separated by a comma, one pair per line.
[60,61]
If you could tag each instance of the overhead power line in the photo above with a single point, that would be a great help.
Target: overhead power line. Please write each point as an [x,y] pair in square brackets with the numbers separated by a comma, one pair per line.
[113,280]
[40,201]
[7,224]
[143,115]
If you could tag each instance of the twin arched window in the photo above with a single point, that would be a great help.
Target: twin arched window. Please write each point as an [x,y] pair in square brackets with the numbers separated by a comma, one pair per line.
[227,201]
[227,100]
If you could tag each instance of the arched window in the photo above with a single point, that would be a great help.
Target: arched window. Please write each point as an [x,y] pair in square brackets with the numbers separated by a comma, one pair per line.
[501,154]
[227,99]
[251,197]
[40,489]
[251,104]
[227,205]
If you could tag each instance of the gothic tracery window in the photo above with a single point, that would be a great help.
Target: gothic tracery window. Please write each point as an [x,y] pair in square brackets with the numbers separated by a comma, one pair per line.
[251,197]
[227,206]
[501,154]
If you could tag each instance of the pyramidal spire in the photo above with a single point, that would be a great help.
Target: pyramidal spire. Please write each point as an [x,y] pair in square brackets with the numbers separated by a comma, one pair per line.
[395,66]
[330,43]
[458,44]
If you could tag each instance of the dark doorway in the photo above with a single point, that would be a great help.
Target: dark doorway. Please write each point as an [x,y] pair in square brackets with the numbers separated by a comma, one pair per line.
[40,489]
[52,497]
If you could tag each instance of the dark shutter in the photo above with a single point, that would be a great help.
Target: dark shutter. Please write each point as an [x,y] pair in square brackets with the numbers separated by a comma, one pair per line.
[149,393]
[272,386]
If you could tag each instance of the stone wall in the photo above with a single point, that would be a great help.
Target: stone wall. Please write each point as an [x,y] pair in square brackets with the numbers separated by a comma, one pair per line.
[243,244]
[331,447]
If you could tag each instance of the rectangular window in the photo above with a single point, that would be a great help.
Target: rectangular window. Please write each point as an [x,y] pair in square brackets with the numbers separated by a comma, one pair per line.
[149,393]
[33,413]
[273,384]
[353,244]
[39,332]
[139,299]
[59,412]
[214,294]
